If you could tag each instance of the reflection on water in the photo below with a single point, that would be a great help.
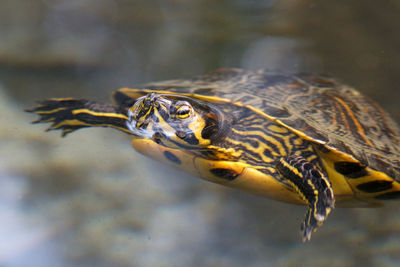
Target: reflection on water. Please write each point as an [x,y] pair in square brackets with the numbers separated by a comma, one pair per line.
[90,199]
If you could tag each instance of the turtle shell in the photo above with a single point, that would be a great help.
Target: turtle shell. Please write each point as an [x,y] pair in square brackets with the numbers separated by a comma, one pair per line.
[319,109]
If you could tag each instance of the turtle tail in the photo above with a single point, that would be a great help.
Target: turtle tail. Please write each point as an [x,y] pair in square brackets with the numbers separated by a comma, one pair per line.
[69,114]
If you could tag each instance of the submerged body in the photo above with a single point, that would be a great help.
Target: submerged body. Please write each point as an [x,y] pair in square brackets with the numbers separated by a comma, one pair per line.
[299,139]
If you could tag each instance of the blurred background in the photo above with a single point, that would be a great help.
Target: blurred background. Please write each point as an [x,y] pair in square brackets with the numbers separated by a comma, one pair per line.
[91,200]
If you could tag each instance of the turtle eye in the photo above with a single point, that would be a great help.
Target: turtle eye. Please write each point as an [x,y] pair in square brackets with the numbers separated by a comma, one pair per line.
[183,111]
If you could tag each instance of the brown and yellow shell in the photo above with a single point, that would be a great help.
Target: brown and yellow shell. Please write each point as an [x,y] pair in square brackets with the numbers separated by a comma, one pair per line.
[321,110]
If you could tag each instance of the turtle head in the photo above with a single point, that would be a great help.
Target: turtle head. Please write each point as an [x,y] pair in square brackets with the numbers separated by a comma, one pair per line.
[175,121]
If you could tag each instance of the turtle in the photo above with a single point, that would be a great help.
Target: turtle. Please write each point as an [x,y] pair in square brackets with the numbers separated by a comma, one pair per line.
[299,138]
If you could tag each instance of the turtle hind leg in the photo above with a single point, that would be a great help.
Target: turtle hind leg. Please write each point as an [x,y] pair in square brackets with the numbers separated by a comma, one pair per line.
[312,186]
[69,114]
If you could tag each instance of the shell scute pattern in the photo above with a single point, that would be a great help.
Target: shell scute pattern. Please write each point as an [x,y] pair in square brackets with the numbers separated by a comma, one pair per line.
[322,109]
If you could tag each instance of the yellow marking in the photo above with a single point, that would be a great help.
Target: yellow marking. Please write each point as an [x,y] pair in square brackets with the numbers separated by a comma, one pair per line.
[290,141]
[163,107]
[197,125]
[311,184]
[315,201]
[354,119]
[259,151]
[269,138]
[76,122]
[135,92]
[147,113]
[227,151]
[73,122]
[290,144]
[291,168]
[164,125]
[311,157]
[63,99]
[298,141]
[49,111]
[98,114]
[142,119]
[278,129]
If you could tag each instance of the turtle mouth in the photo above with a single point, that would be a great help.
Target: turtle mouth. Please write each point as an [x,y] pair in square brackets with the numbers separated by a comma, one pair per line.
[139,129]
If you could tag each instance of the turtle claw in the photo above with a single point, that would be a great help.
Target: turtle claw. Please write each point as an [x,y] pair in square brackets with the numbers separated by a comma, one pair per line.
[310,224]
[315,217]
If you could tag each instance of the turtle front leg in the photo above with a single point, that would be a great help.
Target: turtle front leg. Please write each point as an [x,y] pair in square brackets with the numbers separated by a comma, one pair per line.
[70,114]
[312,186]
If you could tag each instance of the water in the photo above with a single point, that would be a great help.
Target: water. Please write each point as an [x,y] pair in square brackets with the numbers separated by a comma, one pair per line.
[89,199]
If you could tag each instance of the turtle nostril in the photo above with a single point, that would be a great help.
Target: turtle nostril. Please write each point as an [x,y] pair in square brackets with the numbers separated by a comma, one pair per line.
[181,134]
